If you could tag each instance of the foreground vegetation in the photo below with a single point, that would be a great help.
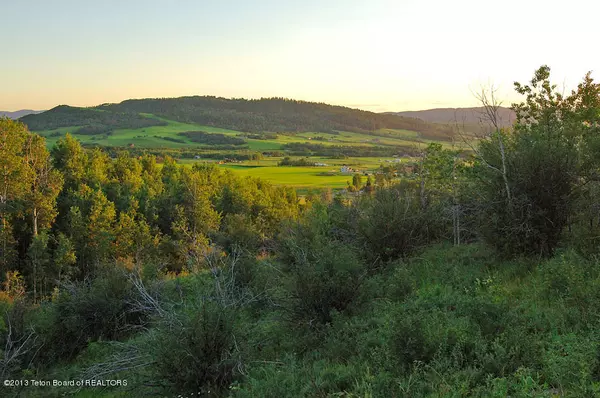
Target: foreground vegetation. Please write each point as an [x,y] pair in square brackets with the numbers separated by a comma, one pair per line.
[472,276]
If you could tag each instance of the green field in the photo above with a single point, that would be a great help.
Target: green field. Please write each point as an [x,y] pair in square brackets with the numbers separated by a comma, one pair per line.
[301,177]
[154,137]
[149,137]
[304,177]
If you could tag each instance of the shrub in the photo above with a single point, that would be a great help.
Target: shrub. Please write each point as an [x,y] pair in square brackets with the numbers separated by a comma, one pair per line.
[197,353]
[85,312]
[327,280]
[569,361]
[421,336]
[394,225]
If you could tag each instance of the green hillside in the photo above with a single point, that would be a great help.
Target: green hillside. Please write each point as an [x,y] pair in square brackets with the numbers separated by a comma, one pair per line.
[180,128]
[91,121]
[171,134]
[275,115]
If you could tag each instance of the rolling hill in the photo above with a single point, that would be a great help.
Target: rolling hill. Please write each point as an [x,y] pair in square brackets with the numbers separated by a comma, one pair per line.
[277,115]
[18,114]
[470,116]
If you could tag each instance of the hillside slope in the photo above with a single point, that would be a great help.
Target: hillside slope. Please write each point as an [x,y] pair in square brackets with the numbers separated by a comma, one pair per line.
[18,114]
[264,115]
[461,115]
[91,121]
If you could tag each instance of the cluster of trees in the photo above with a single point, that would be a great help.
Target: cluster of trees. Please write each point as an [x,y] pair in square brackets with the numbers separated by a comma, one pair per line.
[91,121]
[261,136]
[303,162]
[229,287]
[342,151]
[212,138]
[540,177]
[67,213]
[221,153]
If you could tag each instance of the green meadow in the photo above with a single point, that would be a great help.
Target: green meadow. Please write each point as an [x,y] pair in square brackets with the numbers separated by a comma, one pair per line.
[318,177]
[301,177]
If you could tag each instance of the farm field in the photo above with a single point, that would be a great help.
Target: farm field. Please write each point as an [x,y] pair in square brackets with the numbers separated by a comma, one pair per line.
[149,137]
[303,177]
[299,177]
[168,137]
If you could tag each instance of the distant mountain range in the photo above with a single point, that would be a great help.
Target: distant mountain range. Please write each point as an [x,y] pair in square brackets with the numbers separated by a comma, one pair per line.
[469,116]
[18,114]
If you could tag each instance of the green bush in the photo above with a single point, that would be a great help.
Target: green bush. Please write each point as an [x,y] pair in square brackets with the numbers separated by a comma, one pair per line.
[197,353]
[569,363]
[326,280]
[394,225]
[86,312]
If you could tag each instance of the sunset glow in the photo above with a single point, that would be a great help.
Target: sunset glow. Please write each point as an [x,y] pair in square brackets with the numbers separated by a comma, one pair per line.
[377,55]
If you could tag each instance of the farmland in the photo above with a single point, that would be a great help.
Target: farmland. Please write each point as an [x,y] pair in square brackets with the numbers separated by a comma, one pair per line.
[154,137]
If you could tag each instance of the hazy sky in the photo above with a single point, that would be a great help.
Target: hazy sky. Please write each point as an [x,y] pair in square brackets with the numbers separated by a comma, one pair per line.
[379,55]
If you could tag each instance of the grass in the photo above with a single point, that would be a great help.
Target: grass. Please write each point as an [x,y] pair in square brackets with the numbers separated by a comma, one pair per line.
[301,177]
[148,137]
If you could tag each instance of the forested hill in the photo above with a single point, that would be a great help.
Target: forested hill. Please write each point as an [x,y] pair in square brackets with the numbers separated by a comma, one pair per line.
[88,120]
[18,114]
[466,115]
[267,114]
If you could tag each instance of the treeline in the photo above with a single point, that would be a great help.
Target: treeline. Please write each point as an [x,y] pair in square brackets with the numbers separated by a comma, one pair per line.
[203,137]
[262,136]
[303,162]
[91,121]
[193,281]
[216,153]
[342,151]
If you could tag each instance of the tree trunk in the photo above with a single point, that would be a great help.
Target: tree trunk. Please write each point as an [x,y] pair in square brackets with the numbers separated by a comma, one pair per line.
[35,222]
[422,193]
[504,176]
[34,280]
[458,226]
[4,260]
[456,223]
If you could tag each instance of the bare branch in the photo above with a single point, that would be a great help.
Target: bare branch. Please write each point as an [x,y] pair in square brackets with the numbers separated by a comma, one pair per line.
[14,349]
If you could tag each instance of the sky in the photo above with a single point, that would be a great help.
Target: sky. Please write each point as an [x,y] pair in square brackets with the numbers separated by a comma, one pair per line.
[378,55]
